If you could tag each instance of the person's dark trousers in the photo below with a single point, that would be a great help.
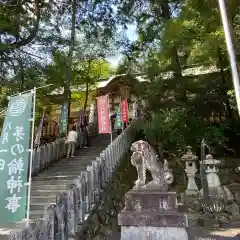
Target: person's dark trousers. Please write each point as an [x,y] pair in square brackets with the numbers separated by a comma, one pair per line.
[119,131]
[88,139]
[85,140]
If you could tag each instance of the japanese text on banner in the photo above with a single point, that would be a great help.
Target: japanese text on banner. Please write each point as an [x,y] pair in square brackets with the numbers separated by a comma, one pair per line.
[14,156]
[103,115]
[124,110]
[64,120]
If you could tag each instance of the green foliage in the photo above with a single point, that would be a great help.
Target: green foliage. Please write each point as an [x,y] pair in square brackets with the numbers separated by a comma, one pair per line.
[172,35]
[90,70]
[81,96]
[175,35]
[172,130]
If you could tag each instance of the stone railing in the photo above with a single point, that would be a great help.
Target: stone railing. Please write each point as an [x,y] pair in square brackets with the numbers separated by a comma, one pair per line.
[73,206]
[50,152]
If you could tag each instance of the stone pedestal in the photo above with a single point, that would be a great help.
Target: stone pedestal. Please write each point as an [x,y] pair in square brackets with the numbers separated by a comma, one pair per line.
[152,215]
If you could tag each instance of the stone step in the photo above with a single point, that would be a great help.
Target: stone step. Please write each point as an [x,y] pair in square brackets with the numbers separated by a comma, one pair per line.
[40,199]
[40,206]
[60,187]
[68,167]
[81,153]
[57,177]
[73,165]
[81,162]
[65,168]
[85,154]
[46,193]
[91,157]
[51,182]
[61,172]
[38,214]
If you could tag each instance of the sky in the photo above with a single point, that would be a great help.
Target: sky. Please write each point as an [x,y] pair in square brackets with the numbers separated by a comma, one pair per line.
[131,34]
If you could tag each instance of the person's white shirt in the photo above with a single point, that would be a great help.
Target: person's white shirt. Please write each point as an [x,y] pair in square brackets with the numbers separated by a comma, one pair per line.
[72,136]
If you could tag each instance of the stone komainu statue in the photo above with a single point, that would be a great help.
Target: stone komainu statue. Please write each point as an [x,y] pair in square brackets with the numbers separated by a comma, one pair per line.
[144,158]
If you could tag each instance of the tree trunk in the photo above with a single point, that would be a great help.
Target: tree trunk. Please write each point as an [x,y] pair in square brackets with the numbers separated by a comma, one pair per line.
[224,88]
[69,58]
[21,72]
[86,96]
[175,63]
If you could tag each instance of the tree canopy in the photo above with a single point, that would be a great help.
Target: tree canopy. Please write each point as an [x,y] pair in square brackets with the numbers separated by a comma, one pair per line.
[66,42]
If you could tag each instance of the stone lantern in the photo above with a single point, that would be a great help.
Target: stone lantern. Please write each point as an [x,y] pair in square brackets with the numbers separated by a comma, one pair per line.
[190,163]
[212,168]
[215,188]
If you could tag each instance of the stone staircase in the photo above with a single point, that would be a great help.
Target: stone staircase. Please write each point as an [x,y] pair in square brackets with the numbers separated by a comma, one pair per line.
[55,179]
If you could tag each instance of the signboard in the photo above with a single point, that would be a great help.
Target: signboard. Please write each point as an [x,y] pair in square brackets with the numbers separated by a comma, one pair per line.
[124,111]
[103,115]
[64,120]
[118,123]
[14,157]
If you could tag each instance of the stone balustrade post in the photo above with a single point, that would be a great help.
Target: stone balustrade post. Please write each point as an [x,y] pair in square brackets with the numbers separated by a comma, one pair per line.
[112,157]
[43,156]
[103,172]
[38,160]
[106,164]
[34,161]
[82,201]
[41,164]
[49,222]
[115,154]
[88,195]
[106,156]
[48,153]
[118,149]
[81,185]
[94,184]
[96,165]
[54,151]
[110,149]
[72,202]
[115,160]
[61,214]
[57,143]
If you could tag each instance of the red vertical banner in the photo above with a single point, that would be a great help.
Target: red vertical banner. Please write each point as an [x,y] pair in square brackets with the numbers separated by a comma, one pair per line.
[103,115]
[124,111]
